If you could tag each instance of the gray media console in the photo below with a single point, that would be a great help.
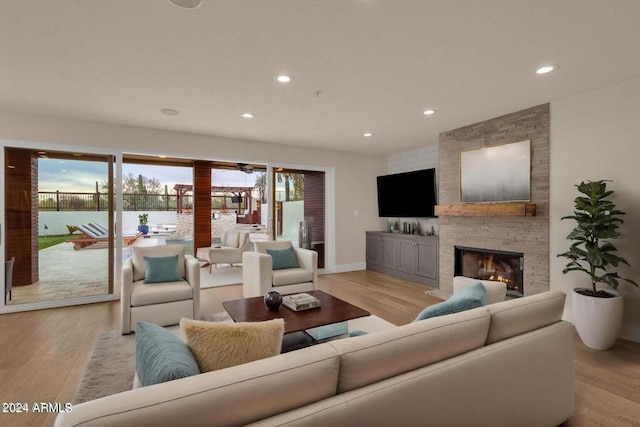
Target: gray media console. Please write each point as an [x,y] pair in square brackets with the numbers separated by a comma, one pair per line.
[406,256]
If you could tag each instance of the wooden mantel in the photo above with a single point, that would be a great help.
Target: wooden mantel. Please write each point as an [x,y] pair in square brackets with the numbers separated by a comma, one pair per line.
[487,209]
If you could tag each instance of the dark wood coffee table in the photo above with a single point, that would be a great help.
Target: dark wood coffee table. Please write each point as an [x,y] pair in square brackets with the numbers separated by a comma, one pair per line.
[331,310]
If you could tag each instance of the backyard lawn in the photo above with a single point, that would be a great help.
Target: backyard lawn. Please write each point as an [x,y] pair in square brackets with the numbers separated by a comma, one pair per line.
[45,242]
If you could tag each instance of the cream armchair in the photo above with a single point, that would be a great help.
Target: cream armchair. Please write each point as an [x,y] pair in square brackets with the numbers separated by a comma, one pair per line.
[234,244]
[162,303]
[259,277]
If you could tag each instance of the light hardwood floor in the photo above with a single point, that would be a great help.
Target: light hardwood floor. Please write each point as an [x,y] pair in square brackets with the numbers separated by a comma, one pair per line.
[43,353]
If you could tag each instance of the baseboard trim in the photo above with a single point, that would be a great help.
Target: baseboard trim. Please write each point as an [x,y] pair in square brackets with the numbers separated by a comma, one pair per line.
[631,333]
[344,268]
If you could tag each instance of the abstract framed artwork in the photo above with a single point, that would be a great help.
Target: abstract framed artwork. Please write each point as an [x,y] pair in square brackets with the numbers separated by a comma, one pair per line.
[499,173]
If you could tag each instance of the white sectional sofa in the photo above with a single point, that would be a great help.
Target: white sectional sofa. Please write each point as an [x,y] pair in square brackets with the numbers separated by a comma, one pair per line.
[505,364]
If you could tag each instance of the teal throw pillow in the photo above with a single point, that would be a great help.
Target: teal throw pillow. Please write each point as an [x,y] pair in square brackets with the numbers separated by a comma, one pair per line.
[283,258]
[472,296]
[161,269]
[161,356]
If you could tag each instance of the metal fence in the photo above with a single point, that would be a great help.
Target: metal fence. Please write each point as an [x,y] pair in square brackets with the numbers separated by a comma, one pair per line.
[69,201]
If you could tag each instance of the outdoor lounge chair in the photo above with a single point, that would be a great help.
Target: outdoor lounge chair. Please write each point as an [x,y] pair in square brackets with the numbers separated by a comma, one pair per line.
[93,233]
[101,228]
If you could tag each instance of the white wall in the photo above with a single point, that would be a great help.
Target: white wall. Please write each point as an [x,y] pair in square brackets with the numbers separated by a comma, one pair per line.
[355,202]
[595,136]
[57,221]
[420,158]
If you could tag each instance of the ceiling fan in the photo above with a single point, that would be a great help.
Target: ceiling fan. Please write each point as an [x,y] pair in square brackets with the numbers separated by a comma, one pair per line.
[244,167]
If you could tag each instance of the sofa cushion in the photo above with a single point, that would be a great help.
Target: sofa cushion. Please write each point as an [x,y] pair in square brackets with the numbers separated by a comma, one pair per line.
[291,276]
[221,345]
[374,357]
[161,269]
[283,258]
[473,296]
[161,356]
[517,316]
[139,252]
[158,293]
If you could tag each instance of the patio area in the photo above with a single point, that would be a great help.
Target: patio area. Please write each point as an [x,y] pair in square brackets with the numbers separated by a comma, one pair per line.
[66,273]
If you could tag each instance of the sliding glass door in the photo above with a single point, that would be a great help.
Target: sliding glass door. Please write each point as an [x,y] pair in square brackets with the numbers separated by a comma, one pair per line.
[299,209]
[59,225]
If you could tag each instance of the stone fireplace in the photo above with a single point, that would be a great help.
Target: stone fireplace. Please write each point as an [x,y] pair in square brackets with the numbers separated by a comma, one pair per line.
[490,264]
[524,235]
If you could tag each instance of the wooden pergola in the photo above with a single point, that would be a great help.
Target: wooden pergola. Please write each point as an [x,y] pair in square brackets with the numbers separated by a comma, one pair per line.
[244,192]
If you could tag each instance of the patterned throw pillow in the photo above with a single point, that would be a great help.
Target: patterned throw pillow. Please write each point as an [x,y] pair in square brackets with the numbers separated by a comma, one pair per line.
[161,356]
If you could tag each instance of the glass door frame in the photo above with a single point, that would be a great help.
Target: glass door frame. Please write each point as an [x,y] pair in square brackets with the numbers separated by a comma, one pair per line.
[117,214]
[329,206]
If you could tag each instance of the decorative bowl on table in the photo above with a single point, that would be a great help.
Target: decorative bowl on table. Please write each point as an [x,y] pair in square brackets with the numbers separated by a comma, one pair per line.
[273,300]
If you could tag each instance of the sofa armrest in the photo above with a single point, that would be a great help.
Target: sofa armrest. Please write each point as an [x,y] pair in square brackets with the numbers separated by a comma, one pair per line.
[192,271]
[256,274]
[125,295]
[308,260]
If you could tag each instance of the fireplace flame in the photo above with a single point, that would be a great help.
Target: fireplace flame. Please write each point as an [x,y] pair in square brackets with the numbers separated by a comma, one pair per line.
[488,264]
[499,278]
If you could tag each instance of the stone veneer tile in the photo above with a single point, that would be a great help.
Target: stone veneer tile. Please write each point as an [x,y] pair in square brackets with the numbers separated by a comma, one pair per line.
[529,235]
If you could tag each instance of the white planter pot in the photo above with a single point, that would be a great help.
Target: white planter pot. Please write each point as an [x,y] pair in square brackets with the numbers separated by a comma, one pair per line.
[597,320]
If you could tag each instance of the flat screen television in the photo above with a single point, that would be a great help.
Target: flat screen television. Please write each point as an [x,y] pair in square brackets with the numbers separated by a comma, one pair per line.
[407,194]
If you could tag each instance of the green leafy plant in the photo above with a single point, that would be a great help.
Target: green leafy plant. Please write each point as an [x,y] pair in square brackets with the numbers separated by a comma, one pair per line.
[592,251]
[143,218]
[72,228]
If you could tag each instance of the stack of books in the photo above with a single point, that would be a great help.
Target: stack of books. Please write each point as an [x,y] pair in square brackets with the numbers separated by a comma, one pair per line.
[300,302]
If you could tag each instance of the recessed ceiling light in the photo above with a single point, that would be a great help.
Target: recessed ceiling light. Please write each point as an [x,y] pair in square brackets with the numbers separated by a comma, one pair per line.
[248,116]
[283,78]
[429,112]
[11,166]
[546,69]
[186,4]
[367,134]
[169,112]
[162,156]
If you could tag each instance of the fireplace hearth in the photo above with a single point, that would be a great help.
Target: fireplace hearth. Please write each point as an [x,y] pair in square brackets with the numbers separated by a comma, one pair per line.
[490,264]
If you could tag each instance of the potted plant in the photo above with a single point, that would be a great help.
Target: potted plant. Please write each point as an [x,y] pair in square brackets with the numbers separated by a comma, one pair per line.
[223,208]
[143,227]
[187,208]
[597,313]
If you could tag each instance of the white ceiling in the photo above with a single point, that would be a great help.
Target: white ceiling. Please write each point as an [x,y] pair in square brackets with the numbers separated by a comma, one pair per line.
[359,65]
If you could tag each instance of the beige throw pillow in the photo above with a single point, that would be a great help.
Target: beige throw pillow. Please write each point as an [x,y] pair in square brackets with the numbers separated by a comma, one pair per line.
[220,345]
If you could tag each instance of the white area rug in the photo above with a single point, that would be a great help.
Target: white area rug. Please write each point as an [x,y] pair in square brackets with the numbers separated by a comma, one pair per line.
[223,275]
